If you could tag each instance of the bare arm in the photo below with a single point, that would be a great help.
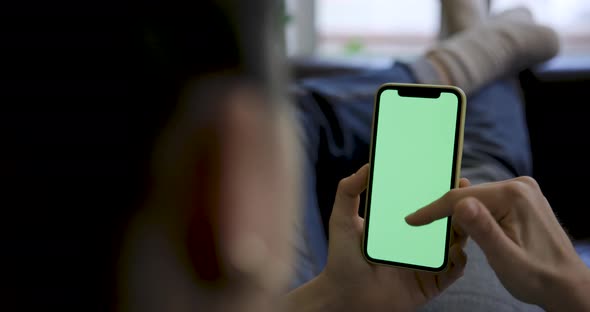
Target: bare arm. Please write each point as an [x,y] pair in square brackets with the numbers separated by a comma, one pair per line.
[524,243]
[314,296]
[569,292]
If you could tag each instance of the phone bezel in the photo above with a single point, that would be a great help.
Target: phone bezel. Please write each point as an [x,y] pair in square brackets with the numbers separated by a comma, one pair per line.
[455,175]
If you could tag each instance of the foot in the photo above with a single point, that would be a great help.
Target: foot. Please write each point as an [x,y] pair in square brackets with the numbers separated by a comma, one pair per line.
[515,14]
[507,44]
[459,15]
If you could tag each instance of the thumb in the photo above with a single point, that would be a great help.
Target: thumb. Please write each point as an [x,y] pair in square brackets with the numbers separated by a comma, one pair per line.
[347,196]
[476,221]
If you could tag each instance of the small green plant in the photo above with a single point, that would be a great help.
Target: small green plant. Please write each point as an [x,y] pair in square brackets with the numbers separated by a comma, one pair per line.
[287,18]
[353,46]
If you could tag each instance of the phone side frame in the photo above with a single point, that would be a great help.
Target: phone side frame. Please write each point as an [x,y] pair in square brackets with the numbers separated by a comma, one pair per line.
[458,156]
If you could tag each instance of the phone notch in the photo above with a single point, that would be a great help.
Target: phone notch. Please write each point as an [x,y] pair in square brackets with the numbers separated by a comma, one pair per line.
[417,92]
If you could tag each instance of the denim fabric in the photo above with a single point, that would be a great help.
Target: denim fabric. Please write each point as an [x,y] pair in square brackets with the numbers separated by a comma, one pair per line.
[335,116]
[583,249]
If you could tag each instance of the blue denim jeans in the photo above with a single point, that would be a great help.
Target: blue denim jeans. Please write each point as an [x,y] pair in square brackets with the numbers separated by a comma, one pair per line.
[335,116]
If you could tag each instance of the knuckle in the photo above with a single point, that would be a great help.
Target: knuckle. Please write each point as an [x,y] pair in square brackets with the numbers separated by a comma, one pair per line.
[453,195]
[342,184]
[529,181]
[343,191]
[516,189]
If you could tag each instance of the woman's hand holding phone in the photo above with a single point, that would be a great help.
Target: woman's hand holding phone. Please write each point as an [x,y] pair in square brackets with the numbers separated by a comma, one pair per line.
[350,283]
[524,243]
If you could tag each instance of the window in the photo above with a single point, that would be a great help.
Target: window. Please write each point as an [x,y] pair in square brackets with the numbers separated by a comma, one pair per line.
[375,27]
[570,18]
[400,28]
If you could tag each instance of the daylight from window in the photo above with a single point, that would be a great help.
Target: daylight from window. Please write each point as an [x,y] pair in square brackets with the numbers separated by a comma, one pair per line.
[401,27]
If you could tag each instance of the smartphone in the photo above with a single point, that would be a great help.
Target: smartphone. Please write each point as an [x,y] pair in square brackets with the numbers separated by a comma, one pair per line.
[416,148]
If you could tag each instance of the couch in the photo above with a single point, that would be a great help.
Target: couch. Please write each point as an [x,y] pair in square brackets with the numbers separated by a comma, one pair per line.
[555,97]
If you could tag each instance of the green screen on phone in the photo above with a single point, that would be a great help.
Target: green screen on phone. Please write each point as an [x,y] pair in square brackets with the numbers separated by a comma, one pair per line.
[413,165]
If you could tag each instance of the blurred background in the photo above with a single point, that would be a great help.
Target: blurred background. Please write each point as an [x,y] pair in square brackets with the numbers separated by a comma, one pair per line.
[327,37]
[370,30]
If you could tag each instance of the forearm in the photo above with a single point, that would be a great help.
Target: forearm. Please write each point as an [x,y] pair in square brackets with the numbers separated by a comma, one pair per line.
[316,295]
[572,293]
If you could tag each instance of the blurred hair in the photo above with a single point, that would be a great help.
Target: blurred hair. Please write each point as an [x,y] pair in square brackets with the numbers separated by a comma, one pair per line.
[85,89]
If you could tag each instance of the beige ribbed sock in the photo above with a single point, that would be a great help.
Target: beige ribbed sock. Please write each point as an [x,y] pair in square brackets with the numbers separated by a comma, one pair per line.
[459,15]
[515,14]
[507,44]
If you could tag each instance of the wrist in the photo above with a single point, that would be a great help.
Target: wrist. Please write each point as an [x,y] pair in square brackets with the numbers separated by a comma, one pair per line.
[569,291]
[316,295]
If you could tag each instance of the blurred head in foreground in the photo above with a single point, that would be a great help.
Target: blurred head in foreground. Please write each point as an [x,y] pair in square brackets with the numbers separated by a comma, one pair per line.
[214,228]
[172,153]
